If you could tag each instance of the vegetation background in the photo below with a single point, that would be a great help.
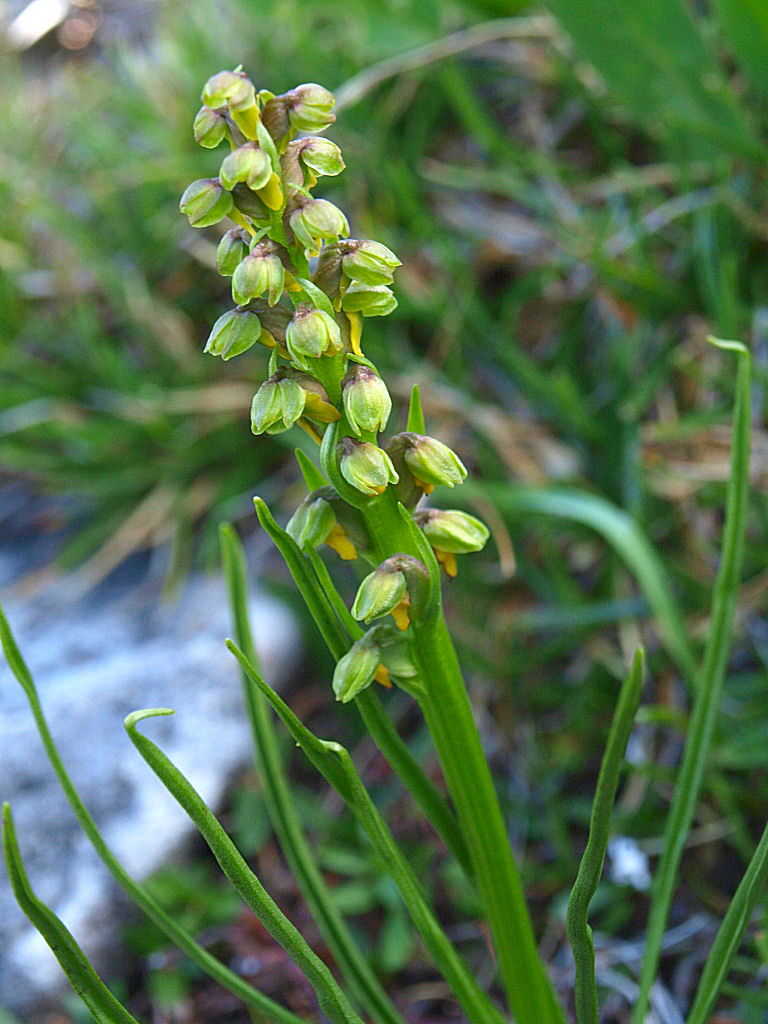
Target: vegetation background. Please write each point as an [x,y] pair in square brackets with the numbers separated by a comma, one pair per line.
[577,192]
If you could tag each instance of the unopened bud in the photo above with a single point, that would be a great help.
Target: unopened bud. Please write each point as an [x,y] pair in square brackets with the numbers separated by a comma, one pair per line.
[248,164]
[316,221]
[369,263]
[311,523]
[260,272]
[233,333]
[365,466]
[379,593]
[277,405]
[233,248]
[366,400]
[209,127]
[356,669]
[311,333]
[451,530]
[228,87]
[429,461]
[321,155]
[205,202]
[368,299]
[310,107]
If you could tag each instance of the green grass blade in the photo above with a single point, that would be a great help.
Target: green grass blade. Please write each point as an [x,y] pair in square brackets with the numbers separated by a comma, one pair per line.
[745,23]
[254,999]
[82,977]
[665,84]
[619,530]
[285,821]
[332,1000]
[591,866]
[730,934]
[334,763]
[707,698]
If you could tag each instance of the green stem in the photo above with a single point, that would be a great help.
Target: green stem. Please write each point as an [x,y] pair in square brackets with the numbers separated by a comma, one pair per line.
[450,720]
[709,688]
[591,867]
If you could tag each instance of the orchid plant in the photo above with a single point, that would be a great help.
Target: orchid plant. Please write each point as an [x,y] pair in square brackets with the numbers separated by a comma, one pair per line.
[302,290]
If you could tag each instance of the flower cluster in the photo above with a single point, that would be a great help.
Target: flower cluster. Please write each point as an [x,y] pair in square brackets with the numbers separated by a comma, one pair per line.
[301,288]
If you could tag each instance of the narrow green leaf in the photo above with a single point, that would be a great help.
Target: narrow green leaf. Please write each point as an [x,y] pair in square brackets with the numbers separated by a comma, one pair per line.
[254,999]
[317,296]
[707,697]
[333,762]
[591,867]
[673,83]
[415,412]
[313,478]
[730,934]
[81,976]
[282,813]
[745,23]
[332,1000]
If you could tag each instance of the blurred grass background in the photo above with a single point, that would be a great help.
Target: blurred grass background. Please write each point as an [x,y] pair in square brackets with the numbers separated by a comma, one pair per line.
[577,192]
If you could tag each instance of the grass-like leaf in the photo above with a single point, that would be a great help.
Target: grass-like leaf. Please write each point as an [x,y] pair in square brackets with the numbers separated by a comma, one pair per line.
[591,867]
[332,1000]
[82,977]
[285,821]
[252,998]
[730,934]
[710,684]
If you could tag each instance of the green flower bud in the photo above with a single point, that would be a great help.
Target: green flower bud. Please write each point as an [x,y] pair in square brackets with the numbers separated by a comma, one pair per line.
[247,163]
[368,262]
[205,202]
[366,400]
[355,671]
[322,156]
[209,127]
[368,299]
[261,271]
[311,333]
[316,221]
[451,530]
[310,107]
[365,466]
[379,593]
[311,523]
[429,461]
[396,658]
[233,248]
[230,87]
[233,333]
[277,405]
[249,203]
